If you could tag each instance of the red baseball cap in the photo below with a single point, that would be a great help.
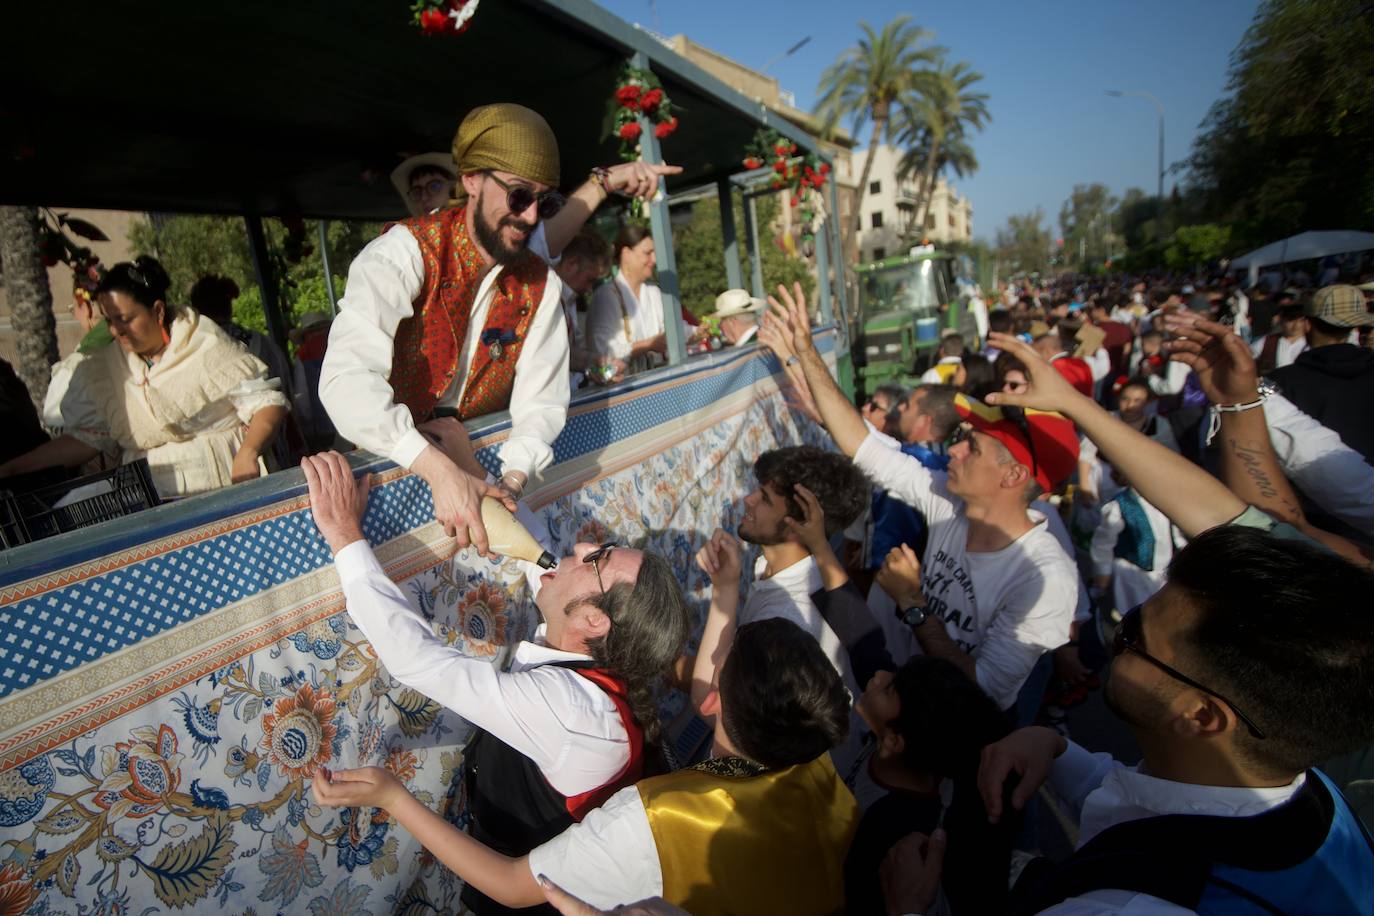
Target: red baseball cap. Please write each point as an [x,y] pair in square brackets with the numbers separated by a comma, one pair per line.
[1051,452]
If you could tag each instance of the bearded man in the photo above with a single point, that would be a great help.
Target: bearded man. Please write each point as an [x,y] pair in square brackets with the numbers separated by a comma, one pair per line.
[455,314]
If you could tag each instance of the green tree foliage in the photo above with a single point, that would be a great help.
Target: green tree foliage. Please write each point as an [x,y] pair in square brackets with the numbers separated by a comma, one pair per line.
[191,247]
[701,264]
[1289,148]
[934,126]
[1085,222]
[1195,246]
[1023,246]
[869,79]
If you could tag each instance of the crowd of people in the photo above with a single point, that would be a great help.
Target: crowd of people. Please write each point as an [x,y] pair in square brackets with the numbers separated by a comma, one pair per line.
[1104,490]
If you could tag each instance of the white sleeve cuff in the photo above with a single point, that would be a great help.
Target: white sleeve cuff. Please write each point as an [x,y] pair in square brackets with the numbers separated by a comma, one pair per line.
[410,446]
[356,561]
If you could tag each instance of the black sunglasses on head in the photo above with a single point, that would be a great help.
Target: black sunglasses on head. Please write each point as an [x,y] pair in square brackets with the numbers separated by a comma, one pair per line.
[1130,636]
[519,197]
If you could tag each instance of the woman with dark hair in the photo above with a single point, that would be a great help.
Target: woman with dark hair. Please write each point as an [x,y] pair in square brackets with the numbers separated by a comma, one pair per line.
[975,376]
[625,320]
[177,391]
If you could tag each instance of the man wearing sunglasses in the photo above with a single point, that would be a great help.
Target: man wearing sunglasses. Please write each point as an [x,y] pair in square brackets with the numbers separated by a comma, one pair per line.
[575,717]
[994,589]
[455,314]
[1248,670]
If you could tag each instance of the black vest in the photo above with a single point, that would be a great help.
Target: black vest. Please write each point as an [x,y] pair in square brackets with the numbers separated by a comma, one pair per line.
[1308,855]
[512,806]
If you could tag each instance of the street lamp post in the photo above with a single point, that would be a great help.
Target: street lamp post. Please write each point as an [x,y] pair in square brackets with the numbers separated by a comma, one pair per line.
[1159,106]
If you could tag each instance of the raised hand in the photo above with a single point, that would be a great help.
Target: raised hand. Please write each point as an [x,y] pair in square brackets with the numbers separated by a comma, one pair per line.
[1224,365]
[1046,389]
[810,531]
[638,179]
[719,558]
[790,309]
[900,576]
[1027,751]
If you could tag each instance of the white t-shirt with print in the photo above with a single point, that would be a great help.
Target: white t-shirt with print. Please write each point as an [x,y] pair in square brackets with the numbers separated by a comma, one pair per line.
[1004,607]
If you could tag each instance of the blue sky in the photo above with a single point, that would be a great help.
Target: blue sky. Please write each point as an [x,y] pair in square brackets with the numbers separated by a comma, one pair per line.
[1046,65]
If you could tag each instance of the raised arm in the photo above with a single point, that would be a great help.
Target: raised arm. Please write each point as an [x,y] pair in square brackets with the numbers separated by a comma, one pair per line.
[719,558]
[632,179]
[842,420]
[1226,370]
[1191,498]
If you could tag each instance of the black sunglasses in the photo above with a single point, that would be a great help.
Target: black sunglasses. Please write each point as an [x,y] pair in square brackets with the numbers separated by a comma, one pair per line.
[1129,636]
[519,198]
[594,558]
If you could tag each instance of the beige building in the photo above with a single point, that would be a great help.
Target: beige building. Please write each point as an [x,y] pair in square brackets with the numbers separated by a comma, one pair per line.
[765,90]
[890,210]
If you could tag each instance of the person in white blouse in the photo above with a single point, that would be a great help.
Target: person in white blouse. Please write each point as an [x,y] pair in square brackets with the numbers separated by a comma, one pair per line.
[176,390]
[574,719]
[625,321]
[455,314]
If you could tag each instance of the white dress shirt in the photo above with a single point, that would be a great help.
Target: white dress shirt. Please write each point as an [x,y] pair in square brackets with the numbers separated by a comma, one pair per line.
[1331,473]
[609,858]
[606,321]
[383,282]
[556,717]
[1102,792]
[1287,351]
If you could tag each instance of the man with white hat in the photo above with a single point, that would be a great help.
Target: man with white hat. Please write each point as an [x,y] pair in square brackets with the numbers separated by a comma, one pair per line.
[425,182]
[738,314]
[455,314]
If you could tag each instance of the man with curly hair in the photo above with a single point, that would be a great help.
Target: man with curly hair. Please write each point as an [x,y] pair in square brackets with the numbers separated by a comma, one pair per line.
[785,574]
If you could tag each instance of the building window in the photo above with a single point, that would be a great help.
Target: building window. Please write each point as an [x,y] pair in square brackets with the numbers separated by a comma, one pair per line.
[877,219]
[930,221]
[951,221]
[875,187]
[879,253]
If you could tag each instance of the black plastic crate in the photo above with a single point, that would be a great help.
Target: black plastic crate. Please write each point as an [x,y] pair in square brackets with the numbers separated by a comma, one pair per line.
[31,516]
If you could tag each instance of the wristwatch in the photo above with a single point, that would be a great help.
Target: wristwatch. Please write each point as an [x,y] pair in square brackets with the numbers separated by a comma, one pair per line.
[913,616]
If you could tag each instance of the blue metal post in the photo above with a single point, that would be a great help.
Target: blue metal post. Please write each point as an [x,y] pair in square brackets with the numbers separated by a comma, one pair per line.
[841,277]
[662,229]
[734,273]
[751,240]
[823,274]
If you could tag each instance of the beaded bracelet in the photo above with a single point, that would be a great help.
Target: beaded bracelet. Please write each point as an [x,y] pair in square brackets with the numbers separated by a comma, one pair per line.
[600,174]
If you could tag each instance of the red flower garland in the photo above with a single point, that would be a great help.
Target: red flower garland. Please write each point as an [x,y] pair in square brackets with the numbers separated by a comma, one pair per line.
[638,95]
[443,17]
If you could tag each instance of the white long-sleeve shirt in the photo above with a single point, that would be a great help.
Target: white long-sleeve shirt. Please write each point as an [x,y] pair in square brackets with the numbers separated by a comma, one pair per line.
[1331,473]
[1006,607]
[556,717]
[383,282]
[1101,792]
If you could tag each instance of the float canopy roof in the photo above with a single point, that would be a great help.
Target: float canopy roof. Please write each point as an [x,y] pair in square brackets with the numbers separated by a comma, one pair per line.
[303,108]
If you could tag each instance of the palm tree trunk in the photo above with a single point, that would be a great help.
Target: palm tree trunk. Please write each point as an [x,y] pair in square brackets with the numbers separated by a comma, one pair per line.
[30,299]
[929,192]
[878,123]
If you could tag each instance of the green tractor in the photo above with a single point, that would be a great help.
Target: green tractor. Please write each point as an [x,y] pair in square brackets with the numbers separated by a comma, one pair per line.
[906,303]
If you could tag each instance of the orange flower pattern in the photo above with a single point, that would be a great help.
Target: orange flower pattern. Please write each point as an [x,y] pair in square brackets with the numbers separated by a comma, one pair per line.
[298,734]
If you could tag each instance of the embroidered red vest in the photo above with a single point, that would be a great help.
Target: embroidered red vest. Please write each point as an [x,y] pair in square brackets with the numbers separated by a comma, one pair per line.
[429,343]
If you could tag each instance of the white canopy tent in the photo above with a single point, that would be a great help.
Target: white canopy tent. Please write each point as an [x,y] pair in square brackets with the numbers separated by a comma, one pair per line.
[1301,247]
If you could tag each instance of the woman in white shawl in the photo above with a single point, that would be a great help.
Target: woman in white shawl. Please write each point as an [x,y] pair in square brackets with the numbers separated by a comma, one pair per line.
[177,391]
[625,319]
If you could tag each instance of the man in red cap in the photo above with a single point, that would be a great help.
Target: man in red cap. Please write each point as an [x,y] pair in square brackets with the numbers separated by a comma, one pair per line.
[994,589]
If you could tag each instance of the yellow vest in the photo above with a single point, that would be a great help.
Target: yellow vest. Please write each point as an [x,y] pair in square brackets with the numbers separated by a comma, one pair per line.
[765,844]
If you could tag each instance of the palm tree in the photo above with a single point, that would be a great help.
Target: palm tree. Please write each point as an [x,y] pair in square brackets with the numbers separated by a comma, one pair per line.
[30,298]
[955,155]
[868,79]
[934,126]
